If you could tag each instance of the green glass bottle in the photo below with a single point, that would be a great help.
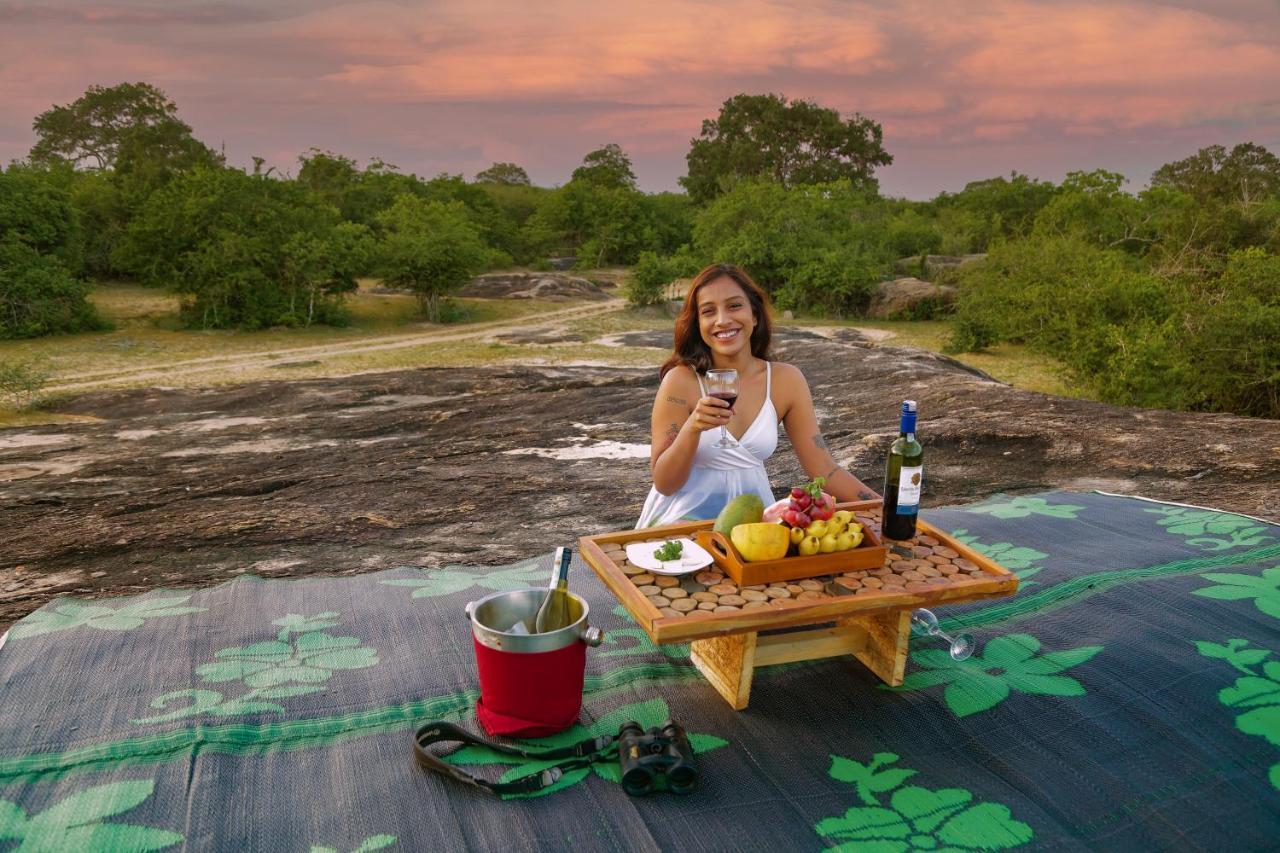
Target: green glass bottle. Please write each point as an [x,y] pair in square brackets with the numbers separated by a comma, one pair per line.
[903,478]
[556,610]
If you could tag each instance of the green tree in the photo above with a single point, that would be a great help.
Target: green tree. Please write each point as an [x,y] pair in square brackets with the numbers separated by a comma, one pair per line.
[1093,206]
[319,265]
[773,230]
[985,210]
[38,296]
[430,247]
[791,143]
[106,123]
[332,177]
[602,224]
[219,237]
[36,210]
[1248,174]
[607,168]
[1235,337]
[506,174]
[40,252]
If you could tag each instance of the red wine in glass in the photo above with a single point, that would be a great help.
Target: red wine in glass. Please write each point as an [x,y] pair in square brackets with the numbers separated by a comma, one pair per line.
[723,384]
[728,398]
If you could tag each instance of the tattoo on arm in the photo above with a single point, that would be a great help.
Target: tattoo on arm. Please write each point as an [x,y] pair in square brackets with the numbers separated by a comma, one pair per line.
[865,495]
[820,441]
[679,401]
[827,476]
[673,432]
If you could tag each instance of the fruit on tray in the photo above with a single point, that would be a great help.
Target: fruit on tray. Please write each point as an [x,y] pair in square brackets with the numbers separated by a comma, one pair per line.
[806,504]
[744,509]
[760,541]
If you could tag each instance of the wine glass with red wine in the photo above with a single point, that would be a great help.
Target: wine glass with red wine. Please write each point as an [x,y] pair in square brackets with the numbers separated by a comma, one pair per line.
[723,384]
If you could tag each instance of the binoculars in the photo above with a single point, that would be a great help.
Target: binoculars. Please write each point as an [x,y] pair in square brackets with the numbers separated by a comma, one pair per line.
[660,759]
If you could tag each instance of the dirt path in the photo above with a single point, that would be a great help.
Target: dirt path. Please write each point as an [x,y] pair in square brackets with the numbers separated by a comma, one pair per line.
[244,361]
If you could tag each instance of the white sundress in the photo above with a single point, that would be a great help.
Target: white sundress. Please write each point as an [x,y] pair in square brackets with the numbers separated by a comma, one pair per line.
[720,474]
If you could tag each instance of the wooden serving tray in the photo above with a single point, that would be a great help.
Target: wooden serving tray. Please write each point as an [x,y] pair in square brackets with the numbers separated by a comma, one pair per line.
[988,580]
[869,554]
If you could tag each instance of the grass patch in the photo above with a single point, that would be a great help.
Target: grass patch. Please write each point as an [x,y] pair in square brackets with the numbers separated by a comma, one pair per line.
[147,335]
[1011,363]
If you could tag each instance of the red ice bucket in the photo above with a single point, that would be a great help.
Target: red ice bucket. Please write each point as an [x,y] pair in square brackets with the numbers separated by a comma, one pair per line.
[530,684]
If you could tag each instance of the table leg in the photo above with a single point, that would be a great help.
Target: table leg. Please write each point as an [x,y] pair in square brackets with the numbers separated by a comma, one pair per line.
[885,653]
[728,663]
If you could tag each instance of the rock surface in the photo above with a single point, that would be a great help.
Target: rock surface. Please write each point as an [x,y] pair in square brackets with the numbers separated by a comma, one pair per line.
[484,466]
[898,297]
[537,285]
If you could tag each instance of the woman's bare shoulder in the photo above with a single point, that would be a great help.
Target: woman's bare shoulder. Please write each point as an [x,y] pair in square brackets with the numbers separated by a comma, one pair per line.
[681,381]
[788,375]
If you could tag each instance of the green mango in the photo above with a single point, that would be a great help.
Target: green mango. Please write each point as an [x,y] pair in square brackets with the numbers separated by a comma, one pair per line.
[744,509]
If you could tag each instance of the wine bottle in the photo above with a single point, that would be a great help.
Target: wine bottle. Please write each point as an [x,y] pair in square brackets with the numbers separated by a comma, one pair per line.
[903,477]
[555,611]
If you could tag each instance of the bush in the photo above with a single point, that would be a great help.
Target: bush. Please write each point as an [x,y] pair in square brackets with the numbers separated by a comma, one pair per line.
[1235,338]
[21,383]
[647,284]
[39,297]
[1113,325]
[912,234]
[839,282]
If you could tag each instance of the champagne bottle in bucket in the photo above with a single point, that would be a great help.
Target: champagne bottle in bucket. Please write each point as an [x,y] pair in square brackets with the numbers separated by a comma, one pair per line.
[556,612]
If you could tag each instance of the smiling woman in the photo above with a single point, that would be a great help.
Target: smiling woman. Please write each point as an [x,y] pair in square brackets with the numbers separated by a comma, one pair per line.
[725,324]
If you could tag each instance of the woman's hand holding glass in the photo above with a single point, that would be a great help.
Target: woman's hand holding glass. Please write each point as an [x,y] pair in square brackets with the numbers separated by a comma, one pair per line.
[709,413]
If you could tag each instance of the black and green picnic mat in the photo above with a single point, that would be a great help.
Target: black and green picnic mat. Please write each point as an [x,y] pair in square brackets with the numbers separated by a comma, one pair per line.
[1127,698]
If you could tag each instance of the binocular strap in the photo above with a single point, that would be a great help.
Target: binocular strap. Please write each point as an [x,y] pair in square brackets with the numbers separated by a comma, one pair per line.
[582,754]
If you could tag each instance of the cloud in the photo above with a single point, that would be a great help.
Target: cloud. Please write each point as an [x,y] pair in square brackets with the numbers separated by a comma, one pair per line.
[455,84]
[131,15]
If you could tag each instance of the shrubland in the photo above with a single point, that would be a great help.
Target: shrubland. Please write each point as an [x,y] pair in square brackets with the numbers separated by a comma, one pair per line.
[1165,296]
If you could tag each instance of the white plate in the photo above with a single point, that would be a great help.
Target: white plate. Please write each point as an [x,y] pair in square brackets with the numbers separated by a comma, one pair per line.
[692,558]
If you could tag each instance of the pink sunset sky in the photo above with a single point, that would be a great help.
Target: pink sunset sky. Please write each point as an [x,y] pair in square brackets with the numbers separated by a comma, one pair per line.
[963,90]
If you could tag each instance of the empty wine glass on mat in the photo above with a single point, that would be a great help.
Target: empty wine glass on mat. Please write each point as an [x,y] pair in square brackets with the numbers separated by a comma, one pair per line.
[723,385]
[924,622]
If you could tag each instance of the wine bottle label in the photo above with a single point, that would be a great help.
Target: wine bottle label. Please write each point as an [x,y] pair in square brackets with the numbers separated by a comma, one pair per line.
[909,482]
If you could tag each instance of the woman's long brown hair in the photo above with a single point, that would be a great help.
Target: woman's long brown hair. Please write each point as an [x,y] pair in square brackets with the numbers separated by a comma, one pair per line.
[690,348]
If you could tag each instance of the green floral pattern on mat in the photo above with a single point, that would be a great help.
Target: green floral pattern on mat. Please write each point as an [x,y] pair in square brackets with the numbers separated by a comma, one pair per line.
[1019,560]
[637,642]
[76,822]
[373,842]
[70,614]
[1210,530]
[1006,664]
[274,669]
[651,713]
[1259,692]
[1023,507]
[438,582]
[915,818]
[1264,590]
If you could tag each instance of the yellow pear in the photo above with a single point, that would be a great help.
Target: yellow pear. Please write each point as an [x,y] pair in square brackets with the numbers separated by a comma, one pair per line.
[827,544]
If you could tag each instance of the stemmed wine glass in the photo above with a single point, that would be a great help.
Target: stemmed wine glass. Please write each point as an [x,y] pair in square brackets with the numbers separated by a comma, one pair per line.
[924,622]
[723,384]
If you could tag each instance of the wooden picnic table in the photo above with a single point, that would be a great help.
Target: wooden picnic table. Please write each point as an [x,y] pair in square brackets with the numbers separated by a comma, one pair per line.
[864,612]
